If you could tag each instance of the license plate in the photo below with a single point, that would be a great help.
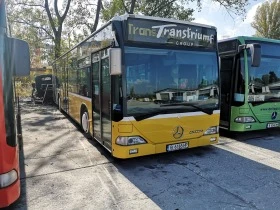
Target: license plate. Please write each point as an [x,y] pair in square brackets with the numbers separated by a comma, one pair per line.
[179,146]
[272,125]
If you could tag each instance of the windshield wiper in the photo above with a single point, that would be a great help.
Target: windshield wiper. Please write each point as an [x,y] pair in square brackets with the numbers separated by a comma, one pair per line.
[139,117]
[207,111]
[143,116]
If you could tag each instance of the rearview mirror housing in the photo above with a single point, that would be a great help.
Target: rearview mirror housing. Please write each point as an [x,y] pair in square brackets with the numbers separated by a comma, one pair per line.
[20,57]
[255,50]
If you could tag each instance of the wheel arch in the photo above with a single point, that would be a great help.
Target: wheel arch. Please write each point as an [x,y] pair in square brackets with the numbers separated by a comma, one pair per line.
[82,109]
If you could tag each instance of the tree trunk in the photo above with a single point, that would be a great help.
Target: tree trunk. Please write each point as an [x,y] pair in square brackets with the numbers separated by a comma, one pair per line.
[132,7]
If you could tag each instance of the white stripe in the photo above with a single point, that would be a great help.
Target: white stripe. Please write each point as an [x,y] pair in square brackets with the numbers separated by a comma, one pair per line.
[79,96]
[173,115]
[258,154]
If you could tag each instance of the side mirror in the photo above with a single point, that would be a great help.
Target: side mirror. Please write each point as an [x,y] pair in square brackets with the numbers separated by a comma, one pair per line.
[115,55]
[20,57]
[255,50]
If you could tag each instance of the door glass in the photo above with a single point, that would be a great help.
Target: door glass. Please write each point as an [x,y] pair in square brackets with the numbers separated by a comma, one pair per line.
[226,74]
[106,101]
[96,101]
[85,83]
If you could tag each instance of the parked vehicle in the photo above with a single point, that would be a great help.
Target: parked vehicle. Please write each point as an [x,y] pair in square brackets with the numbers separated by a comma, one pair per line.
[42,91]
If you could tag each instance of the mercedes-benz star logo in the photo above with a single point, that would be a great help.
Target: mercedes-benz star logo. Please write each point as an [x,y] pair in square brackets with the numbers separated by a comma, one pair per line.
[274,115]
[178,132]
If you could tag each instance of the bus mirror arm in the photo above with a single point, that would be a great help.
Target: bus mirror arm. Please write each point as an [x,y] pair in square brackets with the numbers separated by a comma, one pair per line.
[19,128]
[255,50]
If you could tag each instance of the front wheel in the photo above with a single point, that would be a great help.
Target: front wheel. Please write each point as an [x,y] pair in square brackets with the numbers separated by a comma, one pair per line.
[85,123]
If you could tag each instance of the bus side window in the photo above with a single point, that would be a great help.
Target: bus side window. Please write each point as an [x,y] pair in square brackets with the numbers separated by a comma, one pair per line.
[240,81]
[84,82]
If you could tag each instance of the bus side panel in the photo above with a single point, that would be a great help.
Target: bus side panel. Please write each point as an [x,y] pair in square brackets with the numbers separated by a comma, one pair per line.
[8,158]
[75,104]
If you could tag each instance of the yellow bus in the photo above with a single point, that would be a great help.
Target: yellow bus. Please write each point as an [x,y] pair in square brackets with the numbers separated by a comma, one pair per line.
[143,85]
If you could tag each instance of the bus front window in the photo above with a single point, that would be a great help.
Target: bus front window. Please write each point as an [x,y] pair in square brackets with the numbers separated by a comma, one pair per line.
[264,81]
[159,78]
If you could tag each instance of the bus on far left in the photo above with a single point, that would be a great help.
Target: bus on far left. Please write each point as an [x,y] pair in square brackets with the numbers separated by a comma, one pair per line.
[14,61]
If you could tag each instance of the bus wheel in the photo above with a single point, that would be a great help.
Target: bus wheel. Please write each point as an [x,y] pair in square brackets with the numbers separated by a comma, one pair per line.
[85,122]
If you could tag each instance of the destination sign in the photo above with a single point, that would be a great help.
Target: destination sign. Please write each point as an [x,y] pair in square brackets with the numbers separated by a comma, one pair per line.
[228,46]
[169,33]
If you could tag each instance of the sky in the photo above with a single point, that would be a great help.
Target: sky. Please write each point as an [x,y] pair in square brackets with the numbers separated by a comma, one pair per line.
[227,26]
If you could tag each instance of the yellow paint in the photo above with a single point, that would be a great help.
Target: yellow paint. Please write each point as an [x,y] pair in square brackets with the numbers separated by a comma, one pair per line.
[159,133]
[75,104]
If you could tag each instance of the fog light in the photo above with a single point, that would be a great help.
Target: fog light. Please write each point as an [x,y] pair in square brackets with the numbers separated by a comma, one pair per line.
[133,151]
[248,126]
[213,139]
[244,120]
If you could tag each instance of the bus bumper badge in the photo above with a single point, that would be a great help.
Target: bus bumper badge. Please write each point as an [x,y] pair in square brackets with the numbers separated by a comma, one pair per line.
[178,132]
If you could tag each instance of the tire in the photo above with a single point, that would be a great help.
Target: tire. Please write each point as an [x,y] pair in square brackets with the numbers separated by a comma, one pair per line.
[85,122]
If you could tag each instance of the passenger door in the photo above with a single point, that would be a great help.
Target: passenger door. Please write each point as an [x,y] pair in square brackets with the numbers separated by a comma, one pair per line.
[226,71]
[101,100]
[106,100]
[96,97]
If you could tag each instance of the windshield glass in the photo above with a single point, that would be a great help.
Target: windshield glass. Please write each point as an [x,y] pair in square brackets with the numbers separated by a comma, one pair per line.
[159,77]
[264,81]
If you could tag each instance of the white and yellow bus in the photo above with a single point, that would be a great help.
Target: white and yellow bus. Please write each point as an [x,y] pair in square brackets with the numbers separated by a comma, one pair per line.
[143,85]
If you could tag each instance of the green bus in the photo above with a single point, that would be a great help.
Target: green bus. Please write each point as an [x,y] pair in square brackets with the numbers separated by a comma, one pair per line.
[250,83]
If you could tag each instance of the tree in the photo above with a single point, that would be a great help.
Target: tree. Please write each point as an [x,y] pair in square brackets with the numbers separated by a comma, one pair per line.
[160,8]
[266,21]
[52,22]
[166,8]
[40,15]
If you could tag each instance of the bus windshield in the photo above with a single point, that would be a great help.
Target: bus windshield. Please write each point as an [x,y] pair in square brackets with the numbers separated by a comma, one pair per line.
[170,81]
[264,81]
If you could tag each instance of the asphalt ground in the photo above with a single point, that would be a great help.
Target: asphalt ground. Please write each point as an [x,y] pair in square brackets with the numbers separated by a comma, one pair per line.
[62,169]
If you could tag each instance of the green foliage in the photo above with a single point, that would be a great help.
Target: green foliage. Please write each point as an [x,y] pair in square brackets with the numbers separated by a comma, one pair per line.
[159,8]
[167,9]
[23,86]
[267,20]
[48,25]
[178,9]
[112,8]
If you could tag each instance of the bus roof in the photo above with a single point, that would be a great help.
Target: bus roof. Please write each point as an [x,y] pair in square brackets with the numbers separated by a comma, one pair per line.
[126,16]
[253,38]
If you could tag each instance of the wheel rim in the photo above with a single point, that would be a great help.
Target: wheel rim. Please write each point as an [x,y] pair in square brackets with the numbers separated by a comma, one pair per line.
[85,122]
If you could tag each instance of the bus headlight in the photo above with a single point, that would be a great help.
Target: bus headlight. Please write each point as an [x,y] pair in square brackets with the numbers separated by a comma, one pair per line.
[8,178]
[244,120]
[212,130]
[130,140]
